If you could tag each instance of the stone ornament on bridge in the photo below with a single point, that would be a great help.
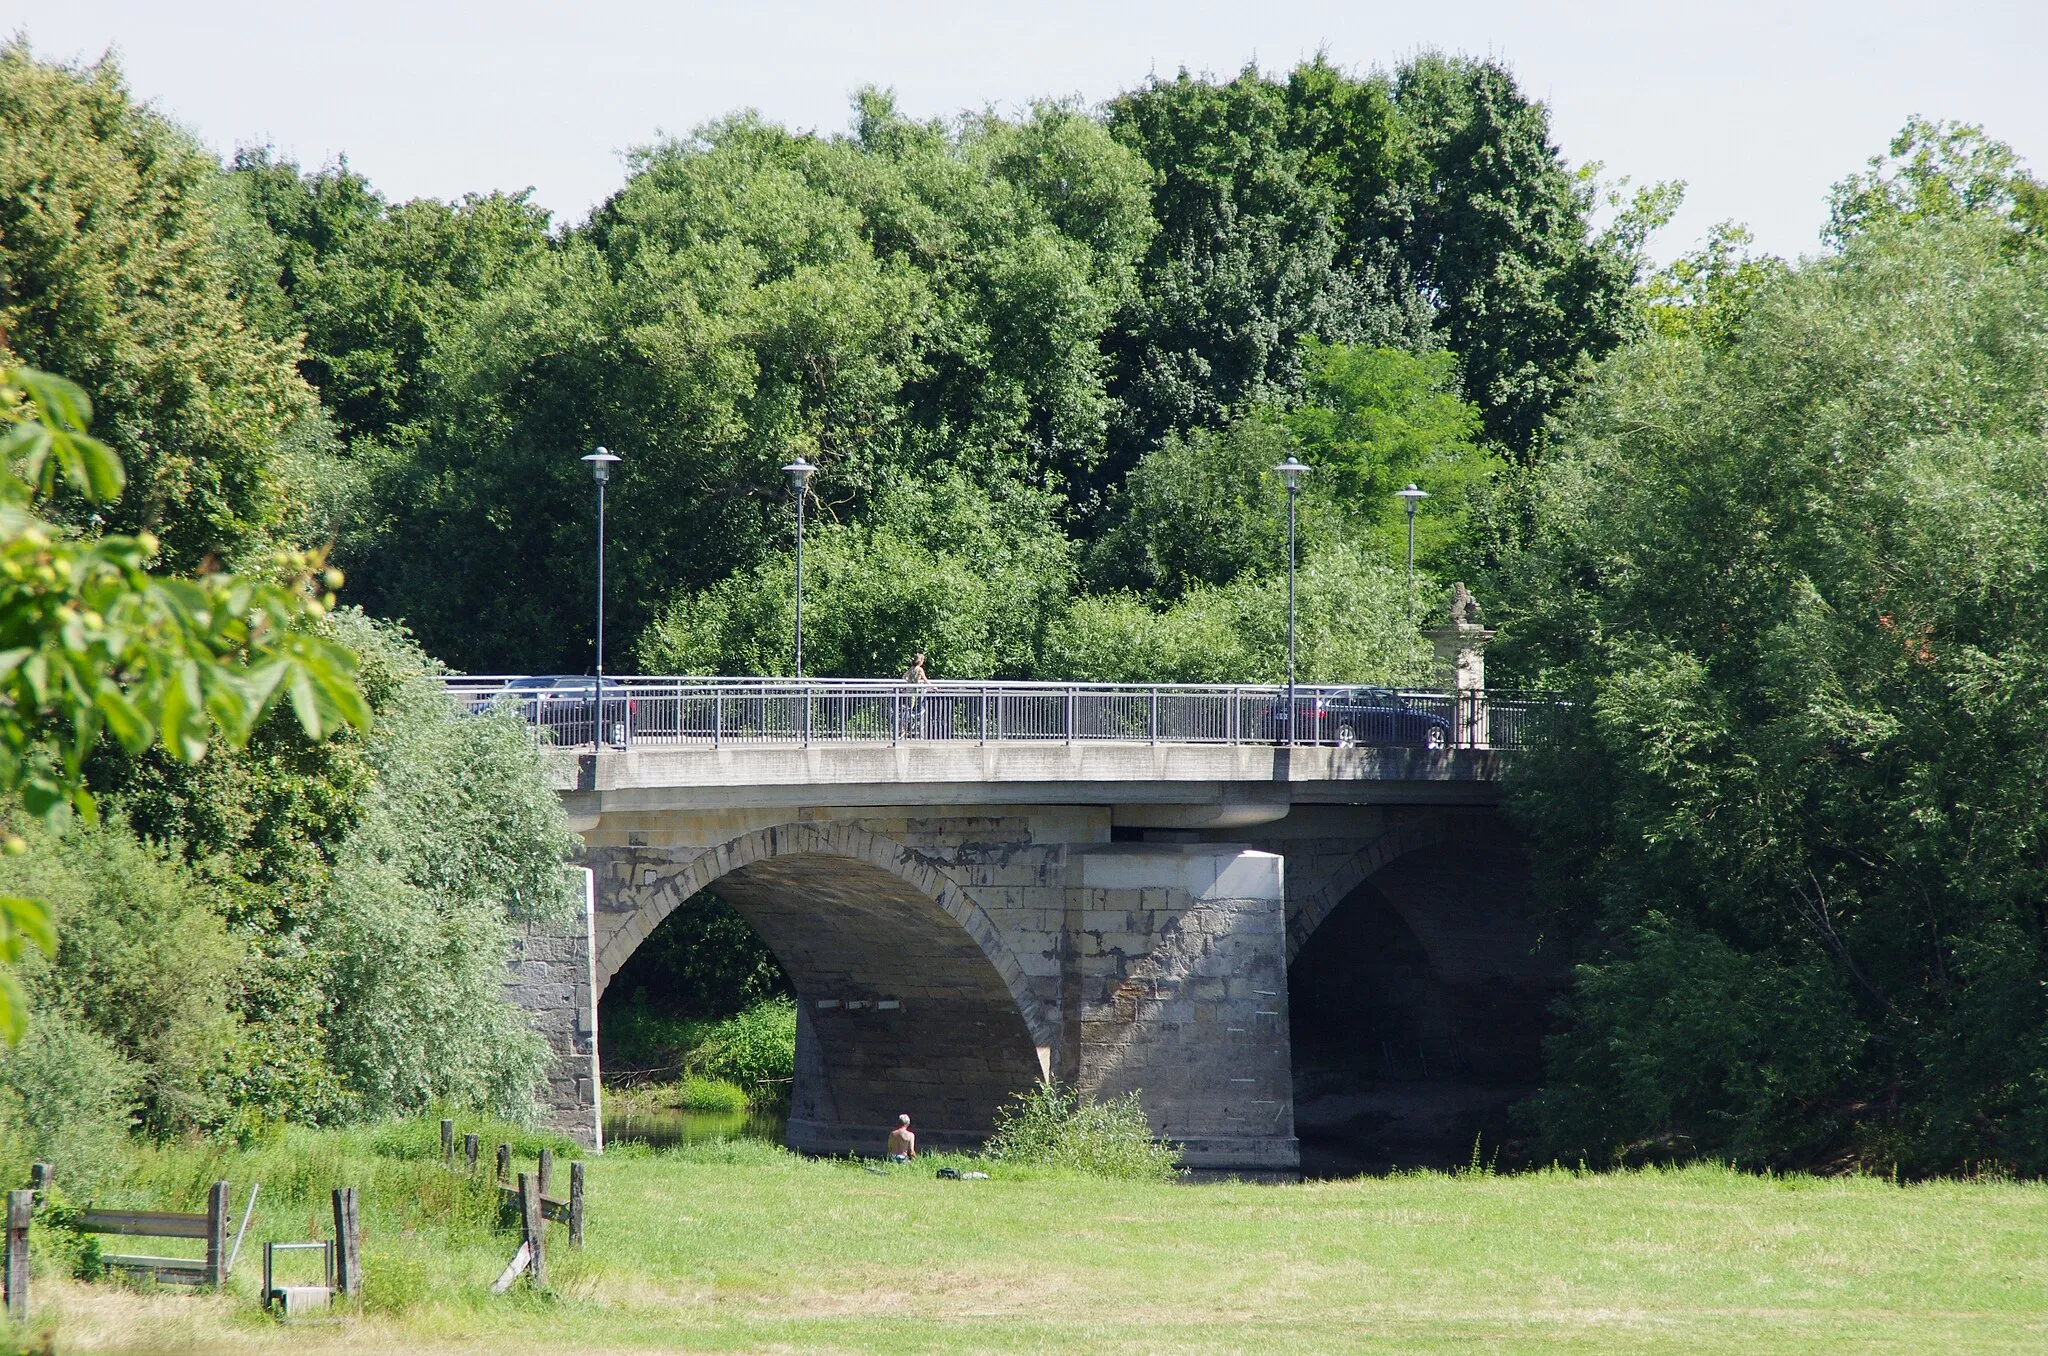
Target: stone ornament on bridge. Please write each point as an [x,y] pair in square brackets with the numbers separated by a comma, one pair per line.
[1461,660]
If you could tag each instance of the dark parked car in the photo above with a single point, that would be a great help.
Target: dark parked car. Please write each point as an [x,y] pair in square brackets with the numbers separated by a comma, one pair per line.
[1359,715]
[564,707]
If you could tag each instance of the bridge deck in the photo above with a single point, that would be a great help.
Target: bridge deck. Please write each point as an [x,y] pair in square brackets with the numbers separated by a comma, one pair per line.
[954,773]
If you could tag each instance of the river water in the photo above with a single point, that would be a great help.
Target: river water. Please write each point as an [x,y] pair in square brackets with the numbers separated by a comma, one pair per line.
[667,1128]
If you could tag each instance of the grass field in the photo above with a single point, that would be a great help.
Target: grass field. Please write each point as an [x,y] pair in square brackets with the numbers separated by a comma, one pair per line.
[744,1247]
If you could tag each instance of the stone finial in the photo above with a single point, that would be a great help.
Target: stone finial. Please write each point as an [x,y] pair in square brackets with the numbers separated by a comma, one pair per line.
[1464,607]
[1460,646]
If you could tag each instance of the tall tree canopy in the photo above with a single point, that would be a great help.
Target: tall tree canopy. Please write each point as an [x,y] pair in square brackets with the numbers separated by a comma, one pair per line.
[118,270]
[905,299]
[1427,207]
[1792,570]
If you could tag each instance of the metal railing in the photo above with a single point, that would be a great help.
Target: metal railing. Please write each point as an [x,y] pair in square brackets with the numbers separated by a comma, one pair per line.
[717,712]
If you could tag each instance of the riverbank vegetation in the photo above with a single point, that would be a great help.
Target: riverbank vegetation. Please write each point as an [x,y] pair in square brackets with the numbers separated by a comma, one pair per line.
[742,1246]
[1772,526]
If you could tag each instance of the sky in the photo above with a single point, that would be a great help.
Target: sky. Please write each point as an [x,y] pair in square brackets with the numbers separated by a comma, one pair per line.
[1757,107]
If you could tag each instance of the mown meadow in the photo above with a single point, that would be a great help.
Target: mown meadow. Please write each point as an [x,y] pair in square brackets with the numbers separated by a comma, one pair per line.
[740,1246]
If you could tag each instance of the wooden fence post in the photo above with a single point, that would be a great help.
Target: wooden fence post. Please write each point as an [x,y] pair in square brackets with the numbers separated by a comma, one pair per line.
[535,1227]
[348,1243]
[576,1204]
[21,1206]
[469,1148]
[546,1172]
[447,1143]
[39,1180]
[216,1273]
[505,1164]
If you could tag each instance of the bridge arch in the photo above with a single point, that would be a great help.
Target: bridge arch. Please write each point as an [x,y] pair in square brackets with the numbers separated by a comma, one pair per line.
[908,997]
[1307,911]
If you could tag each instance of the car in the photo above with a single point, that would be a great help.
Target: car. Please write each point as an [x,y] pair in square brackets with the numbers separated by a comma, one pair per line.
[564,707]
[1359,715]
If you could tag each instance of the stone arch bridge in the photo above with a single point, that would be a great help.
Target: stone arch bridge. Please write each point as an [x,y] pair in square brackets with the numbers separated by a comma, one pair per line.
[1114,887]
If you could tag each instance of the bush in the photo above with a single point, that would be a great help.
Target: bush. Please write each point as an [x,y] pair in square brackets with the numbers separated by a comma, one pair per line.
[756,1047]
[698,1093]
[1050,1126]
[66,1097]
[1353,625]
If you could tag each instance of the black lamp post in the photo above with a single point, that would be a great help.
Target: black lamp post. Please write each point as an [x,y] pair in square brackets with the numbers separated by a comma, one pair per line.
[601,463]
[1414,498]
[1291,472]
[800,473]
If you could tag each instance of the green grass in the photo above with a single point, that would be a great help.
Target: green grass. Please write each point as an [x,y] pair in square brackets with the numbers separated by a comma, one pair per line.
[739,1246]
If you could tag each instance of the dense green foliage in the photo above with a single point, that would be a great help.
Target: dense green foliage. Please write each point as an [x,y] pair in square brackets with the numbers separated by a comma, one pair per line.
[1791,567]
[282,964]
[752,1050]
[1414,209]
[118,269]
[1053,1127]
[1775,527]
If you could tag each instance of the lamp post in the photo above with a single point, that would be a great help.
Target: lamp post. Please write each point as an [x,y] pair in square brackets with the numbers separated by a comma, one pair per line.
[1414,498]
[800,473]
[1291,472]
[601,463]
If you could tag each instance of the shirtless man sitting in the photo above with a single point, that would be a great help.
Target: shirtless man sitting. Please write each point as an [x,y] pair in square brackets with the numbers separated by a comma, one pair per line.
[902,1141]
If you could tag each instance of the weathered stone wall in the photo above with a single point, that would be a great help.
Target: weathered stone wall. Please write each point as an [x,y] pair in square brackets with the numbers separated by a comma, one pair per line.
[946,956]
[549,975]
[943,962]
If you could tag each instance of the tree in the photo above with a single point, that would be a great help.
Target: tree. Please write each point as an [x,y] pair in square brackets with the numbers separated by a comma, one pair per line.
[944,568]
[1791,574]
[91,642]
[1202,508]
[1940,171]
[116,270]
[907,300]
[372,286]
[1353,627]
[1248,261]
[1499,233]
[1376,419]
[1426,208]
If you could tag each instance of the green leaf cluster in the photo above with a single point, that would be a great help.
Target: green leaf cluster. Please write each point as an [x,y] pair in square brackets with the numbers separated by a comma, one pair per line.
[1792,572]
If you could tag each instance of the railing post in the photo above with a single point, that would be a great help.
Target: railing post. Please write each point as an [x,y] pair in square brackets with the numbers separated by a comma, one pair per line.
[981,726]
[1070,715]
[717,716]
[895,715]
[1152,723]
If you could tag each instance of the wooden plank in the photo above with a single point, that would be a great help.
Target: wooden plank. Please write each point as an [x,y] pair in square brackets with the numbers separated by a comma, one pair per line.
[194,1265]
[576,1204]
[151,1223]
[348,1244]
[521,1260]
[217,1234]
[535,1227]
[551,1207]
[546,1174]
[21,1207]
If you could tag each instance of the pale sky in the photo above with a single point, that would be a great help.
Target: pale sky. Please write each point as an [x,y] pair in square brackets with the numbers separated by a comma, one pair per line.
[1757,106]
